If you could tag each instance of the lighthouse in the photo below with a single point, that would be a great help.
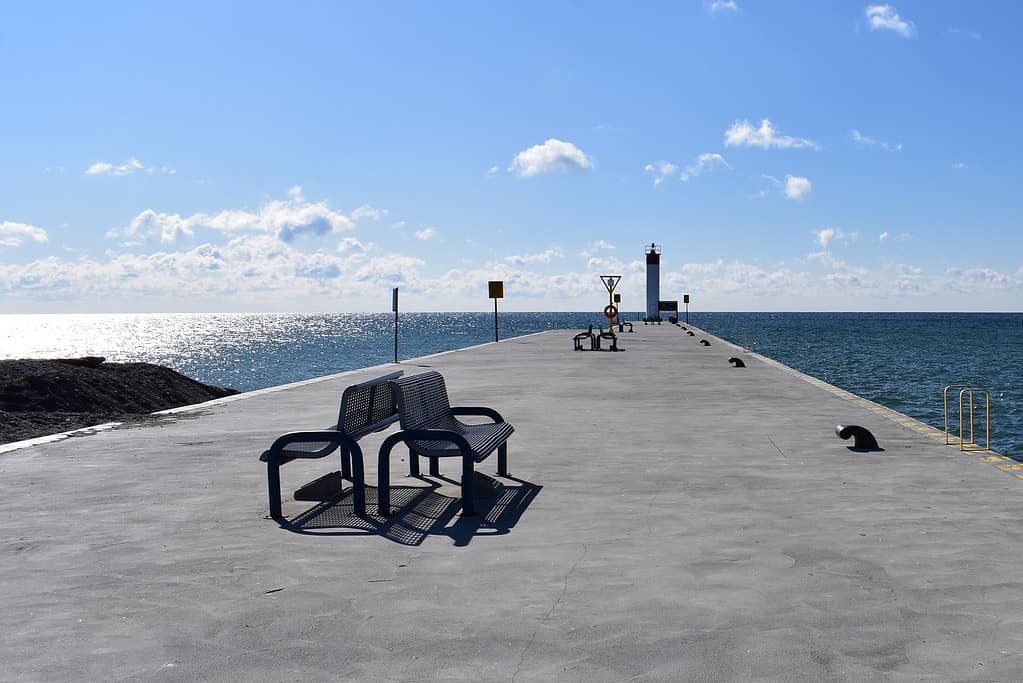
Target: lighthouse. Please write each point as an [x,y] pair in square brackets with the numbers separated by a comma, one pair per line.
[653,281]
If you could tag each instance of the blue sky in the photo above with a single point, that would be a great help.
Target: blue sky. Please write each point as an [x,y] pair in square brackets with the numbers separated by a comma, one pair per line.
[310,156]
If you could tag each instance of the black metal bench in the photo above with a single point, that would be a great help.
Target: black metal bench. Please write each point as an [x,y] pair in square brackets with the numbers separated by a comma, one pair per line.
[365,408]
[610,334]
[430,428]
[582,336]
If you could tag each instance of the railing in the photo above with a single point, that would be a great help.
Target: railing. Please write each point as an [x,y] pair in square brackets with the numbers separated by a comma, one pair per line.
[967,390]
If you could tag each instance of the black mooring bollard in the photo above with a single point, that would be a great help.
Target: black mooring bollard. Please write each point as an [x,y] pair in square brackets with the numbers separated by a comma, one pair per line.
[690,333]
[863,440]
[737,362]
[705,342]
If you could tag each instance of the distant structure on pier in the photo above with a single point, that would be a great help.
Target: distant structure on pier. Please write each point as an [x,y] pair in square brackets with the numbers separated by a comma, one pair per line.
[653,282]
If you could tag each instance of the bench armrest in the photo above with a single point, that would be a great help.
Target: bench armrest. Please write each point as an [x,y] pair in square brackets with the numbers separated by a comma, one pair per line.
[478,410]
[426,434]
[276,451]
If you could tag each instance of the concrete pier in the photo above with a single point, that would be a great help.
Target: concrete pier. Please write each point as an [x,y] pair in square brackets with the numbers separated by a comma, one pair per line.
[669,517]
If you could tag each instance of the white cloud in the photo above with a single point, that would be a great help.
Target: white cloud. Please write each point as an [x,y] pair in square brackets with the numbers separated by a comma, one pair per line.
[961,166]
[797,187]
[828,235]
[867,141]
[367,211]
[726,6]
[705,162]
[14,234]
[127,168]
[550,157]
[288,220]
[884,17]
[742,133]
[601,244]
[660,170]
[883,237]
[543,257]
[425,234]
[494,170]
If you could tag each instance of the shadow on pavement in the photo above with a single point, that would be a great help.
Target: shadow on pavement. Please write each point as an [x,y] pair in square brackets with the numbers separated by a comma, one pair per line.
[418,512]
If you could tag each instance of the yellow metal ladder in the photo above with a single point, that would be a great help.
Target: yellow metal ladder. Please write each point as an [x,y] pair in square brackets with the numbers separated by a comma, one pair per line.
[964,391]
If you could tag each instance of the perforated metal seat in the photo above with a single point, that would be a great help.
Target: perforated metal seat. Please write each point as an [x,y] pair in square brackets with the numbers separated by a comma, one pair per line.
[430,428]
[365,407]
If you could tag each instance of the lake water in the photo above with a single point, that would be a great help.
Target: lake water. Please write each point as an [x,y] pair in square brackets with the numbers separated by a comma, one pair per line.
[901,360]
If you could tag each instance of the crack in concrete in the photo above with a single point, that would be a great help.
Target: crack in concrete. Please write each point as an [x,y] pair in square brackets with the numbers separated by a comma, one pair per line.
[546,616]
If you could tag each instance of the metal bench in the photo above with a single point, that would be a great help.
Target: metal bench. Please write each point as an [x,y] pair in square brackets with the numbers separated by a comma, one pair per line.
[610,334]
[583,336]
[430,428]
[365,408]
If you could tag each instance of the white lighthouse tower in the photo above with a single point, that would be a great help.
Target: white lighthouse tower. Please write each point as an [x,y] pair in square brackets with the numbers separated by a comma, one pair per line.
[653,281]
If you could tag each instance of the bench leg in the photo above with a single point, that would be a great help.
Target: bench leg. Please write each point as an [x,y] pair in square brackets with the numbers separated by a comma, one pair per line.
[273,480]
[384,482]
[413,463]
[346,463]
[502,459]
[468,474]
[358,481]
[434,467]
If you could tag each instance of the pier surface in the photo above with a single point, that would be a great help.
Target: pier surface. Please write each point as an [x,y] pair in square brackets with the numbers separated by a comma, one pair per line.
[669,517]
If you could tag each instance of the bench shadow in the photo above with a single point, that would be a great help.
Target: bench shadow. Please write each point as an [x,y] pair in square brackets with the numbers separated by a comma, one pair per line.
[417,512]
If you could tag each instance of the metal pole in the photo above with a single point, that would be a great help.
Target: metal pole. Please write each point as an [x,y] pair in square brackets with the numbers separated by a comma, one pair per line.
[394,305]
[687,313]
[495,321]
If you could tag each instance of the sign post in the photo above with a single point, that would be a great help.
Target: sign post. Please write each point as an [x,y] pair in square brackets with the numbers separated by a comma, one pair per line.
[394,307]
[496,288]
[610,282]
[685,299]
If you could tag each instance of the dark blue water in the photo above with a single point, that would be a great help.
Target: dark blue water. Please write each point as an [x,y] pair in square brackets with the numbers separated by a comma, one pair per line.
[900,360]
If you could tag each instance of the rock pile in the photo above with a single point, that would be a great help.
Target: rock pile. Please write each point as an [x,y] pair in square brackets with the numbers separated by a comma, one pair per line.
[39,397]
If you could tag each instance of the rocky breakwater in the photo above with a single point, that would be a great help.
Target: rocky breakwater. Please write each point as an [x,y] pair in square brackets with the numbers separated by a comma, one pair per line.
[40,397]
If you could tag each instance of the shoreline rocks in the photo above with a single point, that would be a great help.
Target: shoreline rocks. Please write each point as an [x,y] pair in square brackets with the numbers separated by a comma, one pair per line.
[40,397]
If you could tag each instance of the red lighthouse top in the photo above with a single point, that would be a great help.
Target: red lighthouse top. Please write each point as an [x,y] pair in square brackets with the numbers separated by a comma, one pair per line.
[653,254]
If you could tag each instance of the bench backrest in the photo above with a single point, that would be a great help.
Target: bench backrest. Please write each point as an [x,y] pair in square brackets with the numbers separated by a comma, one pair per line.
[422,399]
[368,406]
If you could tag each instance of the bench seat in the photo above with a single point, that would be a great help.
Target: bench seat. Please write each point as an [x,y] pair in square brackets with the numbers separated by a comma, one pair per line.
[430,428]
[365,408]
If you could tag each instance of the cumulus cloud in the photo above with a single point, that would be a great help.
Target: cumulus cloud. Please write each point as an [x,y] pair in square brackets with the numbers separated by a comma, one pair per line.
[127,168]
[701,164]
[883,237]
[885,18]
[793,187]
[826,236]
[543,257]
[867,141]
[14,234]
[288,220]
[705,162]
[743,134]
[660,170]
[722,6]
[425,234]
[553,156]
[367,211]
[797,187]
